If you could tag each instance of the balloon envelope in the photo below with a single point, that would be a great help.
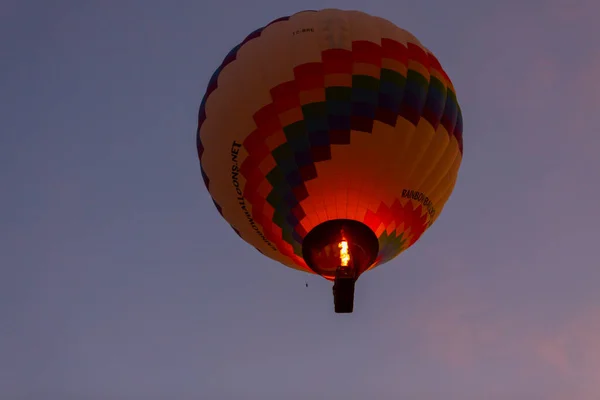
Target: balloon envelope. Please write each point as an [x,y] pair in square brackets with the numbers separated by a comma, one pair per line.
[329,115]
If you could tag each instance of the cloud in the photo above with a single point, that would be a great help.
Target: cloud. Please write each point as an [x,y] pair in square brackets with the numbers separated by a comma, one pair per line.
[574,348]
[460,328]
[574,352]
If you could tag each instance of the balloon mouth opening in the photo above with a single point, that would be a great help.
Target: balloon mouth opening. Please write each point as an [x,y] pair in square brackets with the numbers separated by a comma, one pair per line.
[340,244]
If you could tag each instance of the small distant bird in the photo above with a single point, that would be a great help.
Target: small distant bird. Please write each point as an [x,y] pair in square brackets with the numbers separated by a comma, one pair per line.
[306,283]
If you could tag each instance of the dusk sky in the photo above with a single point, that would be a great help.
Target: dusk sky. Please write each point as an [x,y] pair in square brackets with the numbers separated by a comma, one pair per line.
[120,280]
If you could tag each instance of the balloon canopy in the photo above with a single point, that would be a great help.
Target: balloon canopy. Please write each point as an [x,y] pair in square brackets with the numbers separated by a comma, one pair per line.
[328,138]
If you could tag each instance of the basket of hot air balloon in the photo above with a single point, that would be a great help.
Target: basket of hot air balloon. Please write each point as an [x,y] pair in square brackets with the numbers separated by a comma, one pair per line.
[330,141]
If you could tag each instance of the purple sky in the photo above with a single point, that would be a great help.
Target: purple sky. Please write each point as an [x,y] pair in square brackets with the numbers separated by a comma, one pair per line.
[120,281]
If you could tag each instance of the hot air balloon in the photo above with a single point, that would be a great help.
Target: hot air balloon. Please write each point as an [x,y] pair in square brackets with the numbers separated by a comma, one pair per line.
[330,141]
